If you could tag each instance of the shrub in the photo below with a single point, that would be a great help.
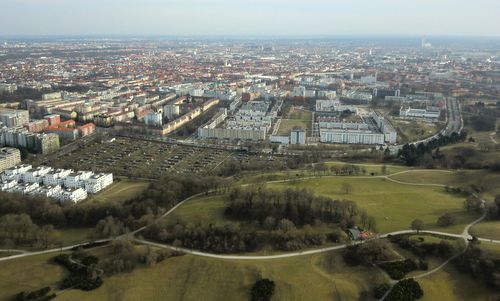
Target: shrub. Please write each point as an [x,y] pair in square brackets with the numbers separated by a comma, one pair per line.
[380,290]
[405,290]
[262,290]
[398,269]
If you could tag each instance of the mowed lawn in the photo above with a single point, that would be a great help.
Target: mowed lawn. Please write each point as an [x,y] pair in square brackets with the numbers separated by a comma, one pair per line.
[488,229]
[121,191]
[486,180]
[73,235]
[393,205]
[196,278]
[30,273]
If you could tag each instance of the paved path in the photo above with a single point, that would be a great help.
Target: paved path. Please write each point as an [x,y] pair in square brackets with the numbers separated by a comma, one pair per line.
[465,236]
[492,137]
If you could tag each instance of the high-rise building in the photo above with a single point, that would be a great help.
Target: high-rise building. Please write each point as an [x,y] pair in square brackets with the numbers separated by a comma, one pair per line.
[47,143]
[12,118]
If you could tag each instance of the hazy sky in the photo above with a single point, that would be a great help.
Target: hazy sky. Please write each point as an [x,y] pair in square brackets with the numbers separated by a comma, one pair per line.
[250,17]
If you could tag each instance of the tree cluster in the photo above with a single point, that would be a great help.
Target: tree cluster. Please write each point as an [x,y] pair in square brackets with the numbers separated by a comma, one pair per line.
[480,265]
[83,273]
[219,239]
[36,295]
[368,253]
[494,209]
[423,155]
[300,206]
[19,230]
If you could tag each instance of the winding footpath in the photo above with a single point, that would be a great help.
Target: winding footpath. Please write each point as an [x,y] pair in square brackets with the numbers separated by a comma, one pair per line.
[465,234]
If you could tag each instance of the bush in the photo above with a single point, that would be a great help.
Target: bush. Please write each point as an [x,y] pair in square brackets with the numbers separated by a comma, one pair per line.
[398,269]
[81,275]
[262,290]
[38,295]
[446,220]
[380,290]
[405,290]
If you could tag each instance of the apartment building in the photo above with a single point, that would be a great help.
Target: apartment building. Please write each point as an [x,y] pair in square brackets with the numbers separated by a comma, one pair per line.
[61,184]
[98,182]
[13,118]
[9,157]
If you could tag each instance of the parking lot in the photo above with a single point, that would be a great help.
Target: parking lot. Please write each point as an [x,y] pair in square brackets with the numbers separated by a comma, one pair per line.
[146,159]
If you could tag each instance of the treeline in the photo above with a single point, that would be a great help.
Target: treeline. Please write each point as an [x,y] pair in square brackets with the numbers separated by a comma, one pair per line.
[480,265]
[19,230]
[219,239]
[235,167]
[158,197]
[301,207]
[422,249]
[422,154]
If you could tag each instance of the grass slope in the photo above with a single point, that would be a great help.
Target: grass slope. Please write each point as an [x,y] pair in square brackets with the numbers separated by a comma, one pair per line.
[450,285]
[121,191]
[28,273]
[488,229]
[393,205]
[194,278]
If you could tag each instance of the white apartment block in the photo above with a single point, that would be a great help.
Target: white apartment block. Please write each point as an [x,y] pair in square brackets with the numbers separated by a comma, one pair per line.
[77,179]
[48,191]
[16,172]
[35,175]
[56,177]
[98,182]
[350,137]
[46,181]
[7,185]
[24,188]
[71,194]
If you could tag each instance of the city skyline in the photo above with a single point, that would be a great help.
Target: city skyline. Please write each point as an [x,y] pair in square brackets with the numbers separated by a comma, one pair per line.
[251,18]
